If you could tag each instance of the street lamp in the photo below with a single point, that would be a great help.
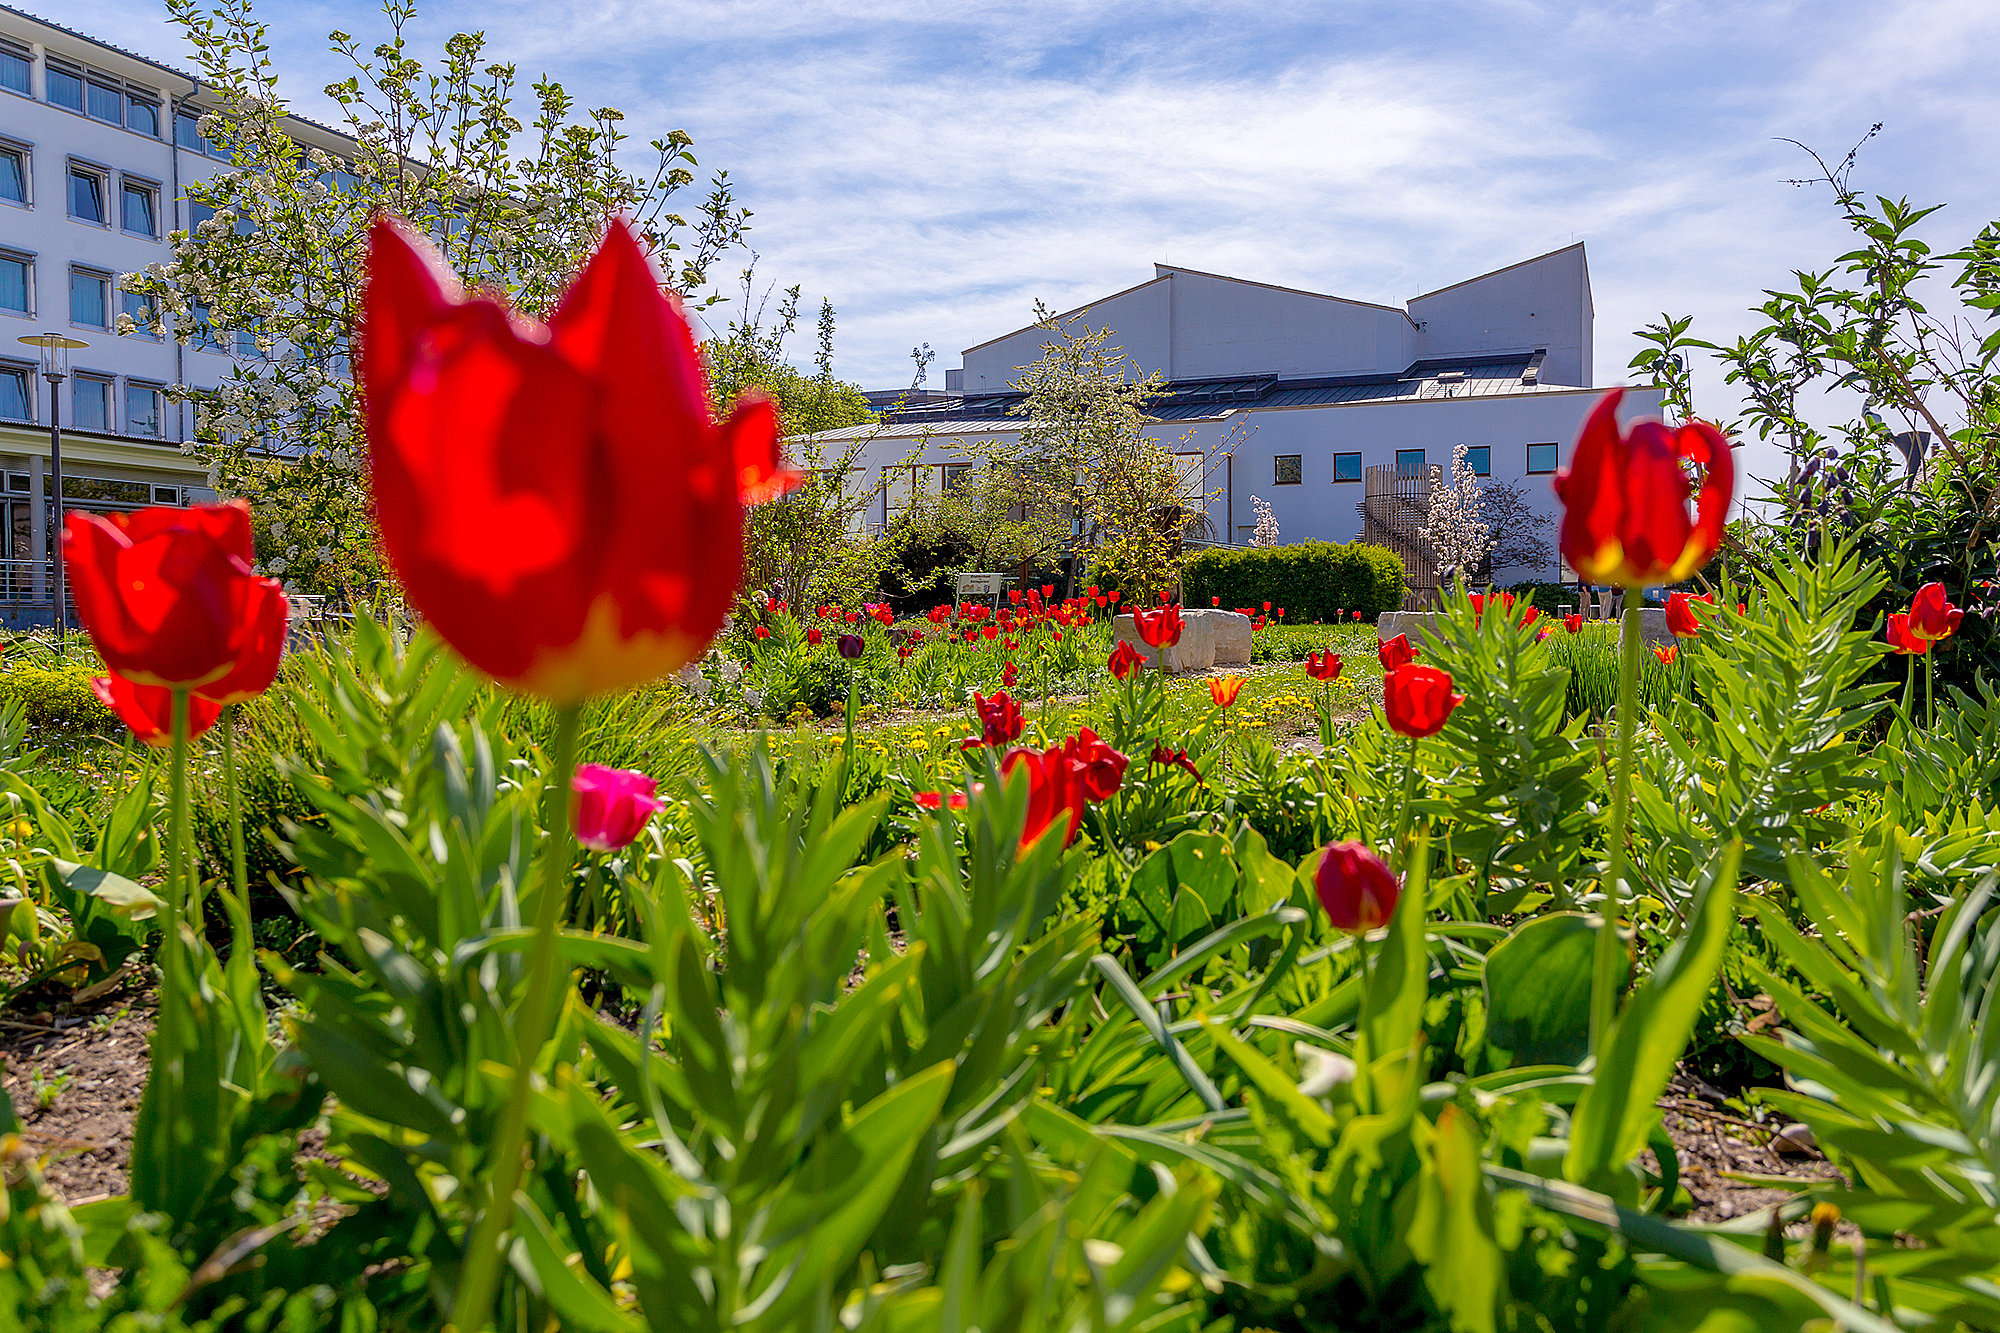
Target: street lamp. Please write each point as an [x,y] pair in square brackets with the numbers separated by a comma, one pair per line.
[55,350]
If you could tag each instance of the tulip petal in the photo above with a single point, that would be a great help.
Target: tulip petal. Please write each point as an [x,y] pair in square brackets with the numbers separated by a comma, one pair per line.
[752,429]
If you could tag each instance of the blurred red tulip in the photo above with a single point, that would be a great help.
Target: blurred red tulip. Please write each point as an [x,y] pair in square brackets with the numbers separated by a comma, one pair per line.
[1125,659]
[931,800]
[1224,689]
[1323,666]
[269,615]
[149,709]
[815,636]
[1574,623]
[168,595]
[1000,720]
[1160,628]
[1396,652]
[1625,499]
[556,498]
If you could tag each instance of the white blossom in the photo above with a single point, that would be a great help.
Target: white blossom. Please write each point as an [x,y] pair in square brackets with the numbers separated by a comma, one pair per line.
[1458,535]
[1267,524]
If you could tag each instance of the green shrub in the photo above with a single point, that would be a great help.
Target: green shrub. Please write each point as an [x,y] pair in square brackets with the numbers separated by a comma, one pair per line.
[1313,581]
[56,697]
[1548,598]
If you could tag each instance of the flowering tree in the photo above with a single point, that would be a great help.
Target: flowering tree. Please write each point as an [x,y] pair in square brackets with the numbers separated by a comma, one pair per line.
[1456,529]
[277,268]
[1266,533]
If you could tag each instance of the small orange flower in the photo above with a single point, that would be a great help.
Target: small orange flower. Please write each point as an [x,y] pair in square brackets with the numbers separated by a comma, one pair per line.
[1224,689]
[1667,654]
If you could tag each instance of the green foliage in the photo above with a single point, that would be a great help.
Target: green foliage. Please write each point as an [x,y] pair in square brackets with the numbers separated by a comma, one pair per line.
[55,695]
[1312,580]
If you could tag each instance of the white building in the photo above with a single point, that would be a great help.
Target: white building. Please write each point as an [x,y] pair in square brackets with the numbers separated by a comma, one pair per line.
[97,148]
[1309,392]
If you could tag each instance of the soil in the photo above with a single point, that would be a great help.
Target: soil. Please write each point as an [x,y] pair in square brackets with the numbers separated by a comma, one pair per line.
[74,1075]
[90,1064]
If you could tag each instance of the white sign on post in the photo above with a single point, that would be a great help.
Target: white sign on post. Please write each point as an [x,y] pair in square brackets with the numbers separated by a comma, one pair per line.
[979,585]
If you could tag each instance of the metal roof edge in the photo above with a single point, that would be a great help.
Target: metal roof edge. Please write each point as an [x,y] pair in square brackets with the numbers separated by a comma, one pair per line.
[1084,309]
[1165,269]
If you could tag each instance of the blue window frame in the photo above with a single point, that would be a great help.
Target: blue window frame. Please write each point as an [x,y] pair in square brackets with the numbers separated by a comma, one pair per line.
[1541,458]
[142,114]
[86,194]
[15,273]
[89,298]
[1409,462]
[13,173]
[1480,459]
[15,405]
[1347,467]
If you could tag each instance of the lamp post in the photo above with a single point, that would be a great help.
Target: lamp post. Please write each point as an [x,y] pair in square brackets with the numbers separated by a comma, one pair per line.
[55,350]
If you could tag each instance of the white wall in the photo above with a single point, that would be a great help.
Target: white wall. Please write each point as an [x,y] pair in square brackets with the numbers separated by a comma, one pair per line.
[1140,315]
[1542,302]
[1226,327]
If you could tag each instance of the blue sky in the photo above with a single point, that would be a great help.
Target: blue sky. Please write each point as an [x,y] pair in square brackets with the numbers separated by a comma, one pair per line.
[934,169]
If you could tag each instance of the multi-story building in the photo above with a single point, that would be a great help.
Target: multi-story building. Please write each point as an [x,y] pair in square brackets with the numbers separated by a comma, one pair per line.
[1338,413]
[97,149]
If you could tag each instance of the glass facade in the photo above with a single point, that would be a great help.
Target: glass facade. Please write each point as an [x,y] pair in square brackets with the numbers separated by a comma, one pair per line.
[13,174]
[140,208]
[14,69]
[15,404]
[14,274]
[86,195]
[1541,458]
[65,86]
[91,409]
[89,300]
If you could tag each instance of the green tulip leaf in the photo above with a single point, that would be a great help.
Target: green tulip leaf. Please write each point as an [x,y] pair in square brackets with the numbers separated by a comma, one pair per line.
[1538,989]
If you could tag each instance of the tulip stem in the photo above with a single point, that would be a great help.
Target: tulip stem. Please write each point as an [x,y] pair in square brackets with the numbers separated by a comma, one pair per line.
[1604,972]
[481,1274]
[1409,806]
[1930,689]
[238,864]
[178,875]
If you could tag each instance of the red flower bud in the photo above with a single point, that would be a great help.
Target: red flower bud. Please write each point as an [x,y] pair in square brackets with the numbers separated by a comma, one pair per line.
[1680,615]
[1125,659]
[1357,890]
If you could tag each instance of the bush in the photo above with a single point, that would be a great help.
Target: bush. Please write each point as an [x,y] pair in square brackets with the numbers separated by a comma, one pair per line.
[1548,598]
[1313,581]
[57,697]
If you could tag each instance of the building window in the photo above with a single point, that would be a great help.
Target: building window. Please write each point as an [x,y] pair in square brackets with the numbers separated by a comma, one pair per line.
[187,131]
[246,344]
[65,85]
[14,173]
[15,61]
[139,207]
[1480,459]
[166,495]
[87,188]
[142,113]
[1347,467]
[1409,462]
[1286,469]
[202,333]
[92,410]
[1541,458]
[955,475]
[17,283]
[103,100]
[142,410]
[145,313]
[15,402]
[90,298]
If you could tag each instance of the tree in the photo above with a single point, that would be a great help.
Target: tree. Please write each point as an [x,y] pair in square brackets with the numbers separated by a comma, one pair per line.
[279,266]
[805,548]
[1458,535]
[1521,533]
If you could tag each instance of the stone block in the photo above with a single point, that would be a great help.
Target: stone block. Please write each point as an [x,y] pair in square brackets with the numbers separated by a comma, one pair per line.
[1208,639]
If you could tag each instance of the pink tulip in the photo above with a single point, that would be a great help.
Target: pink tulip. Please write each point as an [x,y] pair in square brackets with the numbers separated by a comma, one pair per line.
[612,805]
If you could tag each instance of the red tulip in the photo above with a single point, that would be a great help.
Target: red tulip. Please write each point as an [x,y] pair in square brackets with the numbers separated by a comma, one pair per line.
[1323,666]
[1160,628]
[611,805]
[167,594]
[1667,653]
[815,636]
[1224,689]
[1124,660]
[1396,652]
[1000,720]
[1903,639]
[1625,499]
[1357,890]
[1215,601]
[1281,613]
[1048,590]
[1053,791]
[556,497]
[1357,615]
[1418,699]
[1680,615]
[149,709]
[850,646]
[268,614]
[1166,758]
[1574,623]
[1100,769]
[763,633]
[1267,608]
[932,800]
[1008,674]
[1932,616]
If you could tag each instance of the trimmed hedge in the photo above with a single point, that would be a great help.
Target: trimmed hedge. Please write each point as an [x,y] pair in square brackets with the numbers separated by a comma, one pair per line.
[1313,581]
[57,697]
